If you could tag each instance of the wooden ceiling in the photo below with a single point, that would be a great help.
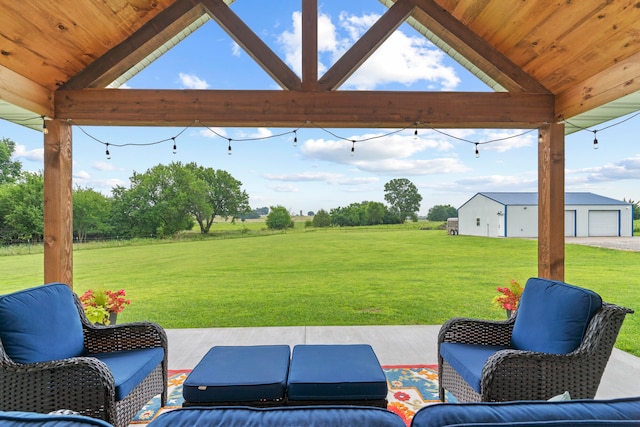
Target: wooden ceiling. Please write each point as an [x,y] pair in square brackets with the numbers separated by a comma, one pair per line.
[555,59]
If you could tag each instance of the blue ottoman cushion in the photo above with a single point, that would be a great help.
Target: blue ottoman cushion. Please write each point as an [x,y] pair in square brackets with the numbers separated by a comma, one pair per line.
[41,324]
[530,413]
[286,416]
[468,360]
[553,316]
[335,373]
[239,374]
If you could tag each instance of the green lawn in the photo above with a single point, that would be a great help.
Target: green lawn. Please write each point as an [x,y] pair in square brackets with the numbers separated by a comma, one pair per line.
[355,276]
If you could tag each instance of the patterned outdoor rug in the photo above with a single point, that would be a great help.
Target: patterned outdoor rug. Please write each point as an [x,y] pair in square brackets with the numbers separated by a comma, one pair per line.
[410,388]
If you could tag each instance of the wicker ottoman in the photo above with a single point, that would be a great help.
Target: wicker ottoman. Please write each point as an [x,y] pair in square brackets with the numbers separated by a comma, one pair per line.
[239,375]
[336,374]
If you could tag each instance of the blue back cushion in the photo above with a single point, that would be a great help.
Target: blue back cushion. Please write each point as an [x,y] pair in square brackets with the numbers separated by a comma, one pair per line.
[530,413]
[41,324]
[553,316]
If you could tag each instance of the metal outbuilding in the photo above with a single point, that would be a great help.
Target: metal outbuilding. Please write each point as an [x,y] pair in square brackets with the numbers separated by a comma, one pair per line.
[515,214]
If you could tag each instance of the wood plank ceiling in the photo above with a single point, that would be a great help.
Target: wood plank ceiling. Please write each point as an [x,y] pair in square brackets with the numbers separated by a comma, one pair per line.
[585,54]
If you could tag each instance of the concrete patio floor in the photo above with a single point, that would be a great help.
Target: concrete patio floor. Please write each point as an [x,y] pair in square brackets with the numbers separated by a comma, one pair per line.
[394,345]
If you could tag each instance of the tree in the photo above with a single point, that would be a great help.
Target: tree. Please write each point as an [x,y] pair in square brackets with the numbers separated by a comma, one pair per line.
[22,208]
[279,218]
[9,170]
[91,213]
[321,219]
[222,196]
[403,197]
[441,213]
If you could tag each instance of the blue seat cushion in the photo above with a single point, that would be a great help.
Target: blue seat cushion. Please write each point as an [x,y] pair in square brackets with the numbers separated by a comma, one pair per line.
[130,367]
[335,372]
[553,316]
[32,419]
[530,413]
[468,360]
[286,416]
[41,324]
[239,374]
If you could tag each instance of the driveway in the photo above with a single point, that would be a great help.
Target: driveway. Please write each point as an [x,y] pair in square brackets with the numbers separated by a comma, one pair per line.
[620,243]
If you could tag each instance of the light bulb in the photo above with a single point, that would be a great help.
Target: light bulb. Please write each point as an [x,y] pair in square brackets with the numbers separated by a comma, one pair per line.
[477,152]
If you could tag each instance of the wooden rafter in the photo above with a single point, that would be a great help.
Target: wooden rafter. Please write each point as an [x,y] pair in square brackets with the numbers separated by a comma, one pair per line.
[256,108]
[366,45]
[24,93]
[474,48]
[252,44]
[138,46]
[309,45]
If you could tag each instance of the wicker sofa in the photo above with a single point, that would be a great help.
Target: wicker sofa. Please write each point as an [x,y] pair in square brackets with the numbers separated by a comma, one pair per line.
[52,358]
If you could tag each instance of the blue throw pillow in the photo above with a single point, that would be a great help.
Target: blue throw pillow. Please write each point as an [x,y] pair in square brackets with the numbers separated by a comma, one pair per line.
[553,316]
[41,324]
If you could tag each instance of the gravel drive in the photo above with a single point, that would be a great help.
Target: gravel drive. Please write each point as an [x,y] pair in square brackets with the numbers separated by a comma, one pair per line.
[620,243]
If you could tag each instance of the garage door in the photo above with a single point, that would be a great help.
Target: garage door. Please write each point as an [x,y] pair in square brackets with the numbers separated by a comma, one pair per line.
[570,223]
[603,223]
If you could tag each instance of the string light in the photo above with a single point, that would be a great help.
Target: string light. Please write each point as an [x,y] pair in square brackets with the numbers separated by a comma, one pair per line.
[107,152]
[415,125]
[353,148]
[44,126]
[175,148]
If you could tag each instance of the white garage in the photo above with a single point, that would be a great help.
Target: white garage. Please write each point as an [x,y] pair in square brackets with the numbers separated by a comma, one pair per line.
[515,214]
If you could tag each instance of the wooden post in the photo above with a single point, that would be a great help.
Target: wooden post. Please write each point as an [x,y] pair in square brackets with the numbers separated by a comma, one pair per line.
[58,205]
[309,45]
[551,202]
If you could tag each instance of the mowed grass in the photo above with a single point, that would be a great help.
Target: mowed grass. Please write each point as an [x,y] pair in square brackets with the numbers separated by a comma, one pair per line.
[352,276]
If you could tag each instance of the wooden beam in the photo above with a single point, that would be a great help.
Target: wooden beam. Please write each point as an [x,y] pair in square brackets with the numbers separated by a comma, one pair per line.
[58,205]
[474,48]
[309,45]
[551,202]
[252,44]
[106,69]
[24,93]
[615,82]
[366,45]
[368,109]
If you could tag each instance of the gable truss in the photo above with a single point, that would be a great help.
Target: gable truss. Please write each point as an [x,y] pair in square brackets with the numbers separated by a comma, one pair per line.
[303,100]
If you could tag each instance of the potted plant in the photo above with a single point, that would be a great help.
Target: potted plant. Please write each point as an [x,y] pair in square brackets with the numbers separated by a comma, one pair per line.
[509,297]
[102,306]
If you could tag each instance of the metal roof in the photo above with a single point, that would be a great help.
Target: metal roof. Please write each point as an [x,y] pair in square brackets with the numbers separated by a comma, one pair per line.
[531,198]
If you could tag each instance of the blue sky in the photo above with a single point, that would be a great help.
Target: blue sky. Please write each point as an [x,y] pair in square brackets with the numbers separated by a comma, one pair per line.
[319,171]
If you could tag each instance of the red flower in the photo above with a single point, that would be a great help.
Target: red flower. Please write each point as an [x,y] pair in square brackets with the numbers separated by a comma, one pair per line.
[510,296]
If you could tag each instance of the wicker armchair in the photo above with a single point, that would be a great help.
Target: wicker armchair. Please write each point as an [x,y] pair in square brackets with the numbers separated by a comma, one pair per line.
[83,384]
[512,374]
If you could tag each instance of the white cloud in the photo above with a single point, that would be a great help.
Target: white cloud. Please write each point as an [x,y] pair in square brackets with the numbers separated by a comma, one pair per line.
[236,50]
[628,168]
[82,175]
[287,188]
[102,166]
[35,155]
[191,81]
[401,59]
